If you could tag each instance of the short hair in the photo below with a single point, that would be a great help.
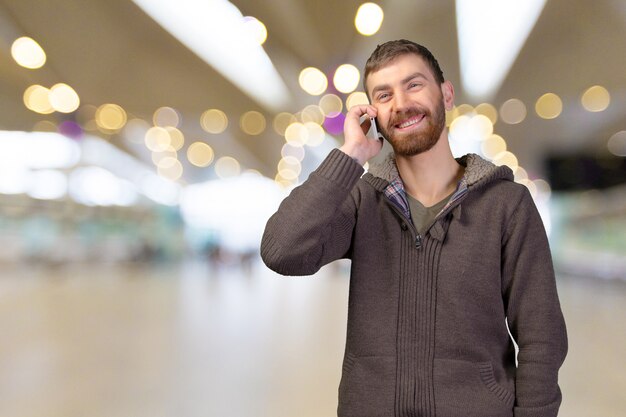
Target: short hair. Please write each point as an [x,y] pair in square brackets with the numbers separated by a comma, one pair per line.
[388,51]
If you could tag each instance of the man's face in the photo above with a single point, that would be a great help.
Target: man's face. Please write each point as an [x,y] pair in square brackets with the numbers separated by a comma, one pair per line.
[411,104]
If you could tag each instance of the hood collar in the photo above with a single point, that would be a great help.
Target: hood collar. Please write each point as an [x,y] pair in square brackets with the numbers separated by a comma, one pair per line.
[478,171]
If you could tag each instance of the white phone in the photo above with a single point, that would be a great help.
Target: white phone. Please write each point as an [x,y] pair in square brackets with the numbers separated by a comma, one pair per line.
[374,133]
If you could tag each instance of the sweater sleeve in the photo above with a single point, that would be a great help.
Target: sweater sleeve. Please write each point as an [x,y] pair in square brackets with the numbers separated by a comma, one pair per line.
[313,225]
[533,312]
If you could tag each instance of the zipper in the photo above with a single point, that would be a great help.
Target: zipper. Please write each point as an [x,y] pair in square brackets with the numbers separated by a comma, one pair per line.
[418,239]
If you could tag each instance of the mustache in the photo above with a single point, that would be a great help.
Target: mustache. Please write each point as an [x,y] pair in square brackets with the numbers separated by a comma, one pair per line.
[407,114]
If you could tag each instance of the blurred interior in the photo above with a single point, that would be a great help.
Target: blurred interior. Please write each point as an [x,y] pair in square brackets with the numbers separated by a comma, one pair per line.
[144,144]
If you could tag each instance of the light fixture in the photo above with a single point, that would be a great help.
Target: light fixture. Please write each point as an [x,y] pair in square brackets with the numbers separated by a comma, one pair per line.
[490,34]
[216,32]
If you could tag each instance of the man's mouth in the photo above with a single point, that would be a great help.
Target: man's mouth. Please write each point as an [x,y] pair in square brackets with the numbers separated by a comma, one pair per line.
[410,122]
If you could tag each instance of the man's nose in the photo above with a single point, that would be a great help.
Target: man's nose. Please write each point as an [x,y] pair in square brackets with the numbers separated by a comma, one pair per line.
[400,102]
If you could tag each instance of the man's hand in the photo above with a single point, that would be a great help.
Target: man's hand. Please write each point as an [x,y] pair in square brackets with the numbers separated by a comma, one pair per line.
[356,144]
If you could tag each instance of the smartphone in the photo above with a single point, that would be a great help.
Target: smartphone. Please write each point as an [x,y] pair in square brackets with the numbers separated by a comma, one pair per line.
[374,133]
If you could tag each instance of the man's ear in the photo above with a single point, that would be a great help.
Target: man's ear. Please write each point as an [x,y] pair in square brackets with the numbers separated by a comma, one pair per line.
[447,90]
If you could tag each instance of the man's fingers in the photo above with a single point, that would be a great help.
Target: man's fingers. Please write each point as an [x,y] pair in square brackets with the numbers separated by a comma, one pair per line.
[360,110]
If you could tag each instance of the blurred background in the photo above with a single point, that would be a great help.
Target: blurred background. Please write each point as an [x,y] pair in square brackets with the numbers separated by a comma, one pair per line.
[144,144]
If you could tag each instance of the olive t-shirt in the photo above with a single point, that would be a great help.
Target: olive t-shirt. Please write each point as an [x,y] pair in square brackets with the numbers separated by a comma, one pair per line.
[423,216]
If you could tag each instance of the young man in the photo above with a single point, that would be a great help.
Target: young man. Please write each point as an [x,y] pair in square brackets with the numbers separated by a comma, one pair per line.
[445,254]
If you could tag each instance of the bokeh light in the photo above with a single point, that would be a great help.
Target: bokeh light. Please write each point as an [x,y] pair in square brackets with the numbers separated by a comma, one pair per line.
[37,99]
[549,106]
[289,168]
[214,121]
[315,134]
[172,170]
[346,78]
[334,125]
[520,174]
[296,134]
[158,157]
[368,19]
[356,99]
[63,98]
[281,121]
[177,138]
[463,109]
[493,146]
[294,151]
[252,123]
[506,158]
[28,53]
[488,110]
[596,99]
[617,143]
[46,126]
[331,104]
[255,29]
[513,111]
[480,127]
[312,113]
[226,167]
[166,116]
[157,139]
[71,129]
[165,161]
[530,185]
[313,81]
[200,154]
[543,188]
[110,117]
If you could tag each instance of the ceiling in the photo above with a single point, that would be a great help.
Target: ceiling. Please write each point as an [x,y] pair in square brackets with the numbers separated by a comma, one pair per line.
[112,52]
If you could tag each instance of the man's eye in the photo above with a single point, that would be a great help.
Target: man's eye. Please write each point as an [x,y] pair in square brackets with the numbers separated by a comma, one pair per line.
[383,96]
[414,85]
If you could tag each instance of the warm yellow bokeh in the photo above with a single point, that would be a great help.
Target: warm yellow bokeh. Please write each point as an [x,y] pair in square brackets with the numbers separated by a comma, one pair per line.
[214,121]
[281,121]
[37,99]
[331,104]
[368,19]
[252,123]
[63,98]
[356,99]
[200,154]
[549,106]
[28,53]
[346,78]
[596,98]
[110,116]
[313,81]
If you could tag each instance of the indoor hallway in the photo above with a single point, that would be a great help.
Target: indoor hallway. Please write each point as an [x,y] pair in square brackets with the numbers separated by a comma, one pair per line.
[189,340]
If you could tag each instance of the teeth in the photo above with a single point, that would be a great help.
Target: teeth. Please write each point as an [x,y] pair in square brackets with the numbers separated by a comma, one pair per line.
[409,122]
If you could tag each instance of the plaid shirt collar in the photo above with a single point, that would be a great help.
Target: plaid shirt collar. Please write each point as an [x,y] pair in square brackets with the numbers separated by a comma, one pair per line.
[397,195]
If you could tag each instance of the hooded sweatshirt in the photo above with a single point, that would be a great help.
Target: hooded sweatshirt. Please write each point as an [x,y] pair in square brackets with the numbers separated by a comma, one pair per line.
[429,315]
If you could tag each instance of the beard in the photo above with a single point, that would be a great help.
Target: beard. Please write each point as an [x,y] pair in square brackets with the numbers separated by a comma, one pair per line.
[414,143]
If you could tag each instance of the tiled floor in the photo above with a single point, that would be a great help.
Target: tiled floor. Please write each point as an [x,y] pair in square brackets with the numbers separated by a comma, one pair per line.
[185,340]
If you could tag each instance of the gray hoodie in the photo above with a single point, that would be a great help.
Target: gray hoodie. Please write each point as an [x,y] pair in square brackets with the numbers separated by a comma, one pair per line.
[427,315]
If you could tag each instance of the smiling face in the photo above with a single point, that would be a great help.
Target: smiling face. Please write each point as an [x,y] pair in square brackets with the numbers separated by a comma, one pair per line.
[411,104]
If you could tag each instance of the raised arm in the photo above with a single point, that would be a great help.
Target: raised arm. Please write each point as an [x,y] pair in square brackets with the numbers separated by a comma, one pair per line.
[313,225]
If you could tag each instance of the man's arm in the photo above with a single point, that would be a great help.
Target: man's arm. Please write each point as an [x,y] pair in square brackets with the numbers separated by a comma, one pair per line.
[533,312]
[313,226]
